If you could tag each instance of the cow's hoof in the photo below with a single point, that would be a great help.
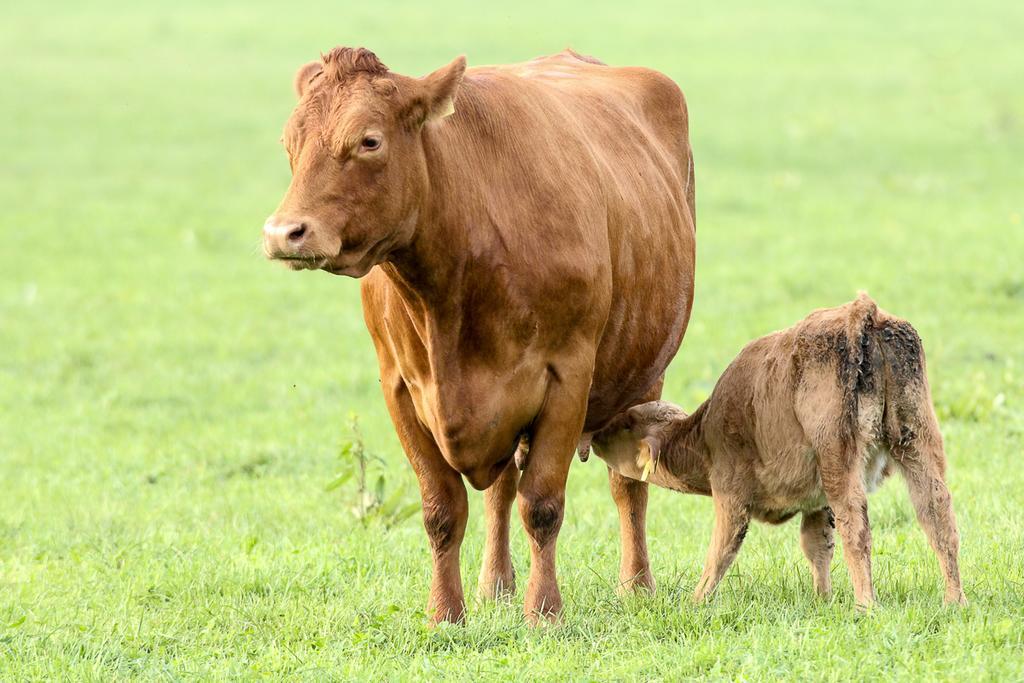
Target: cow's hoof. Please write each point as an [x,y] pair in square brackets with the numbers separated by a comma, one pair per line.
[497,587]
[543,619]
[544,611]
[455,614]
[641,583]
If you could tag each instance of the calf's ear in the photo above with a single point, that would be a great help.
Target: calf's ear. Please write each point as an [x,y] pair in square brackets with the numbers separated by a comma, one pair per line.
[648,456]
[439,91]
[644,421]
[304,75]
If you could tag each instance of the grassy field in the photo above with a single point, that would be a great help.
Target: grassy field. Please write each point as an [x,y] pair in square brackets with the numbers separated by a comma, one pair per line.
[172,406]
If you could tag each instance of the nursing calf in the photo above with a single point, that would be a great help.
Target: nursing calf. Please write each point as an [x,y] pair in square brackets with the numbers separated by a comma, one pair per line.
[805,421]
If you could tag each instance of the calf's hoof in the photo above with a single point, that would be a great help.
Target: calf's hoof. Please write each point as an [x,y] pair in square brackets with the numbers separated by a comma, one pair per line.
[956,599]
[866,605]
[700,598]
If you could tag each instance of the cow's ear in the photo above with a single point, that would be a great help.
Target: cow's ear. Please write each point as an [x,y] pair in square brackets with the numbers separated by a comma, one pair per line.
[440,89]
[304,75]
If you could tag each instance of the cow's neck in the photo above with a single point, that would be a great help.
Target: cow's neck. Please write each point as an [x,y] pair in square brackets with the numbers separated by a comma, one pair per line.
[430,271]
[683,464]
[425,272]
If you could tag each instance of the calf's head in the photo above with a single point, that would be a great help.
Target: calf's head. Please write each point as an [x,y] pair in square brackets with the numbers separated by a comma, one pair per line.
[632,443]
[359,174]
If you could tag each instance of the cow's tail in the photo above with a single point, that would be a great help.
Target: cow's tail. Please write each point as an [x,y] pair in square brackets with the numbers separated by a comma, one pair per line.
[691,185]
[690,188]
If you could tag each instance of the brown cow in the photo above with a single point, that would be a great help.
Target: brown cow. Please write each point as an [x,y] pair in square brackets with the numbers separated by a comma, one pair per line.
[806,420]
[532,228]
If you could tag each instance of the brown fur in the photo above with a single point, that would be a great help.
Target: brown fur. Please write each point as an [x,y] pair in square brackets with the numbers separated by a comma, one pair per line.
[529,267]
[805,420]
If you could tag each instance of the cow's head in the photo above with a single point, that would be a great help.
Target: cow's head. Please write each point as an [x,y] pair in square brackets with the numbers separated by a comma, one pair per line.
[359,173]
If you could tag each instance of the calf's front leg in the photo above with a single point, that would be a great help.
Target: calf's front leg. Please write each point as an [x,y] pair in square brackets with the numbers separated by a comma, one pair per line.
[732,519]
[816,541]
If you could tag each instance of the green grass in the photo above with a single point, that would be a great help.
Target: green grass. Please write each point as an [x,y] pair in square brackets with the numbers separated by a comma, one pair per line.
[171,406]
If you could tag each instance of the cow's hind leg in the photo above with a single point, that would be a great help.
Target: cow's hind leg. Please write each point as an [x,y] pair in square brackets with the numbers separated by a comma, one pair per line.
[816,541]
[923,466]
[497,577]
[731,522]
[630,498]
[445,507]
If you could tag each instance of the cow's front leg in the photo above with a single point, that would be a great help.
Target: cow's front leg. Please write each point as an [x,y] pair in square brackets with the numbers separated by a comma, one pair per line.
[630,498]
[497,577]
[445,511]
[445,508]
[542,491]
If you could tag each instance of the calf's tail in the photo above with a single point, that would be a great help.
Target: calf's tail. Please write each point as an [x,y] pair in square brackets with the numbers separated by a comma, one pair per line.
[884,359]
[858,360]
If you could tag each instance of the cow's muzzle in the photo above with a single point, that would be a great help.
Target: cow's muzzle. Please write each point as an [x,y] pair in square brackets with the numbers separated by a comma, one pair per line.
[289,240]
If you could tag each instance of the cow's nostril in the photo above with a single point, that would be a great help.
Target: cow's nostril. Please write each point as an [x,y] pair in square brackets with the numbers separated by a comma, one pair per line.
[298,233]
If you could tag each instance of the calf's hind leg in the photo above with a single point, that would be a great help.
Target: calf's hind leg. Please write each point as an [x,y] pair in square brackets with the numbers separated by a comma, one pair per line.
[923,468]
[817,543]
[841,478]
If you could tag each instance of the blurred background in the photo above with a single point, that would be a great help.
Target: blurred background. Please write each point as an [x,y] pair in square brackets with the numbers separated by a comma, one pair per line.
[173,408]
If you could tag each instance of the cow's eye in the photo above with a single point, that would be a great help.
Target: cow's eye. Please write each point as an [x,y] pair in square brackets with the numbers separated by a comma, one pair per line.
[370,143]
